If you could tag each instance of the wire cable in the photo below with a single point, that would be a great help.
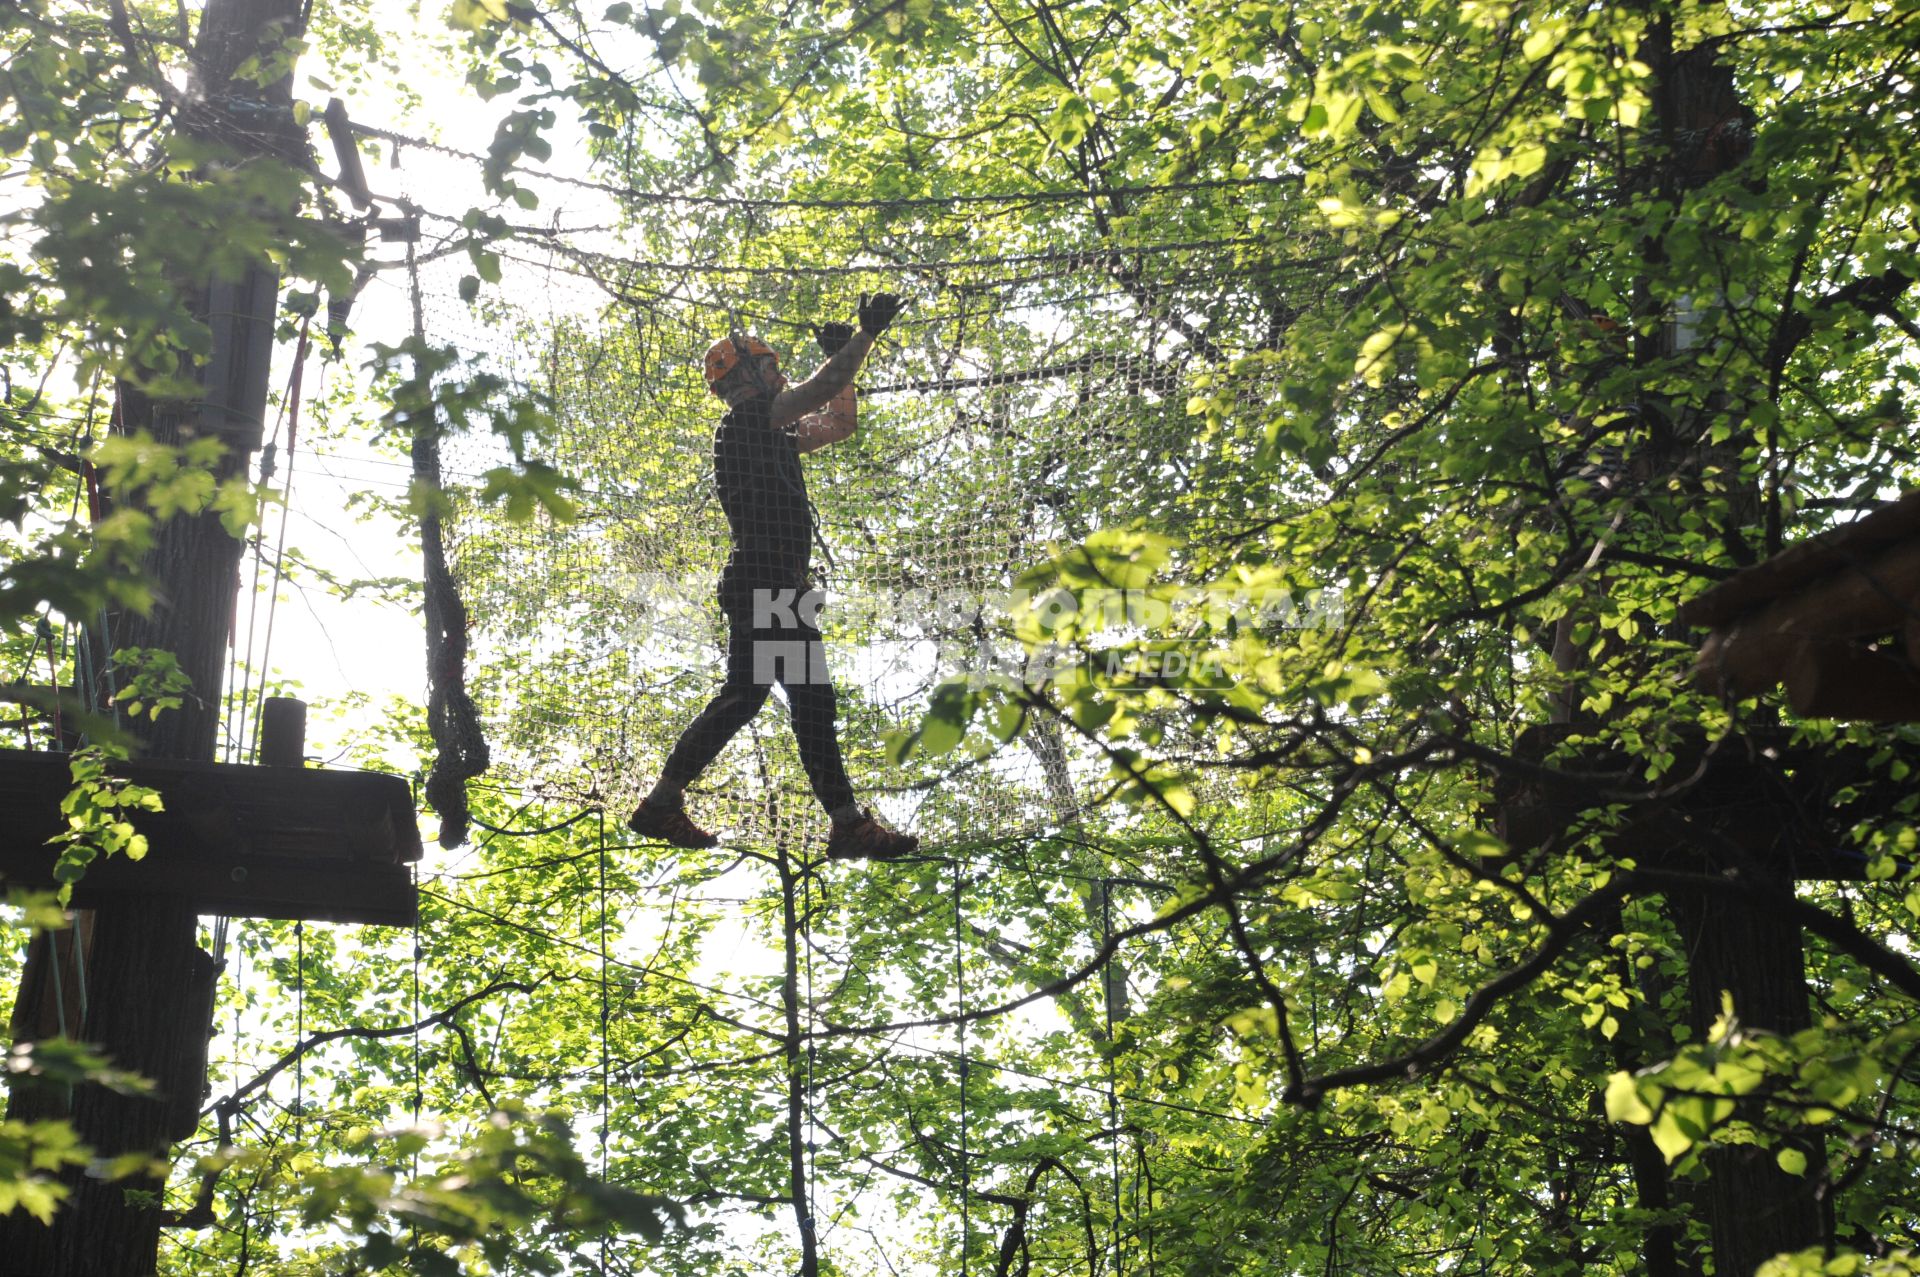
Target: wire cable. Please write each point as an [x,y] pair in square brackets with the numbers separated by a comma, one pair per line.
[635,196]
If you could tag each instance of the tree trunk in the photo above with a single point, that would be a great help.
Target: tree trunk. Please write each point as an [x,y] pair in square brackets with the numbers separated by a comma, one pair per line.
[148,977]
[1754,1209]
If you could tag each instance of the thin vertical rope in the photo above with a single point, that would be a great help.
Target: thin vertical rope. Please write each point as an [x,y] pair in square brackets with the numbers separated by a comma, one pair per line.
[299,1025]
[80,443]
[43,629]
[79,973]
[59,987]
[417,955]
[1113,1053]
[239,1005]
[236,733]
[1143,1189]
[236,705]
[960,1029]
[813,1046]
[103,671]
[606,1106]
[413,1169]
[280,541]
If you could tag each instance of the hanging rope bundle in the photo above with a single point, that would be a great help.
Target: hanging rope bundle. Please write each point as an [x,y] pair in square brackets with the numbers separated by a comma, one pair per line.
[460,746]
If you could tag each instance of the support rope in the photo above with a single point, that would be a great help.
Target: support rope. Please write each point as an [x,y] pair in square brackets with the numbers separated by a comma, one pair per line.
[59,987]
[635,196]
[238,740]
[813,1044]
[416,952]
[460,747]
[960,1032]
[299,1025]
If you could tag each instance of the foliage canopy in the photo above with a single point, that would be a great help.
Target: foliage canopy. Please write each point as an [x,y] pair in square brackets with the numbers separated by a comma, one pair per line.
[1515,325]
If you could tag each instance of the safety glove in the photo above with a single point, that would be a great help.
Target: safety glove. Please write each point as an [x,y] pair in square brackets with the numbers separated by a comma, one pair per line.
[832,337]
[877,312]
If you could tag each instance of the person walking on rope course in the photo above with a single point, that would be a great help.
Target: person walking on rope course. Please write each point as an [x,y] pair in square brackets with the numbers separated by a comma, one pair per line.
[770,605]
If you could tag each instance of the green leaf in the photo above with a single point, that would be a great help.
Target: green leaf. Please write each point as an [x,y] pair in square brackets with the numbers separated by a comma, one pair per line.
[1624,1101]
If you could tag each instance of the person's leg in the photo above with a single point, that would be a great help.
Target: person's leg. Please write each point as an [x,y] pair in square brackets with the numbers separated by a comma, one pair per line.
[810,694]
[811,697]
[731,709]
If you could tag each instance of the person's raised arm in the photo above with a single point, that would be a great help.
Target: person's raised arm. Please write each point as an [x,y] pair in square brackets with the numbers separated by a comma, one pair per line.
[838,419]
[836,375]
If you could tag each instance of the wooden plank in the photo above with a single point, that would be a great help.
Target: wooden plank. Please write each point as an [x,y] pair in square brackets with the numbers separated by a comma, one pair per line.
[235,883]
[353,177]
[1794,567]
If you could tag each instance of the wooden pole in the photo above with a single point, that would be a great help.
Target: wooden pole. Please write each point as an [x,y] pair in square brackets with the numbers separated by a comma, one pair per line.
[149,982]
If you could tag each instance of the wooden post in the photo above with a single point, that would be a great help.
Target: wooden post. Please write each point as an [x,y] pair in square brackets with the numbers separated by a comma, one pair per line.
[148,979]
[283,731]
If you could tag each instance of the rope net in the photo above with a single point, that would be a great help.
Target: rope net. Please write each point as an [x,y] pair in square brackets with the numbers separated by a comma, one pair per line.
[1032,393]
[1027,396]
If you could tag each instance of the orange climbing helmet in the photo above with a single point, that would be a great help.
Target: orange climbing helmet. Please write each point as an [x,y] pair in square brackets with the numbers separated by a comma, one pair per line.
[725,355]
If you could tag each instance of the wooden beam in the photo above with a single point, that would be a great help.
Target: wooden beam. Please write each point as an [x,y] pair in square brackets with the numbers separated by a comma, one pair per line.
[283,731]
[353,175]
[1835,679]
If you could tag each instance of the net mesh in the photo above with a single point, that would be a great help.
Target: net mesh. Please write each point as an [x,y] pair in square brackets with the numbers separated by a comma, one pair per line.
[1027,396]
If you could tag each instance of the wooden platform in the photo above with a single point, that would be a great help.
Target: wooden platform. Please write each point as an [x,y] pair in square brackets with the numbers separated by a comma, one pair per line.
[255,842]
[1836,618]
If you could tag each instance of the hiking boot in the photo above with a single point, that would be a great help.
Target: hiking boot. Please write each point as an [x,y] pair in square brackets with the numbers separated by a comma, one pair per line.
[868,839]
[669,825]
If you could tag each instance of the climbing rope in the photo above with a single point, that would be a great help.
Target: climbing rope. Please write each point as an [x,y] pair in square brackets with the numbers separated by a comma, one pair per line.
[415,952]
[606,1067]
[460,748]
[811,1148]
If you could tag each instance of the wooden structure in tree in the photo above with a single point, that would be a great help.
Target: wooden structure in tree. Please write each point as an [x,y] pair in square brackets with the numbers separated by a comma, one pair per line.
[254,842]
[1836,618]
